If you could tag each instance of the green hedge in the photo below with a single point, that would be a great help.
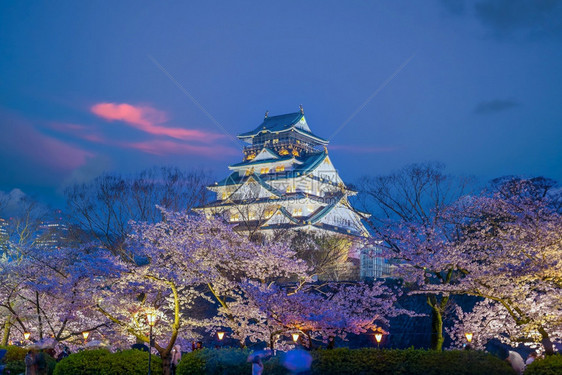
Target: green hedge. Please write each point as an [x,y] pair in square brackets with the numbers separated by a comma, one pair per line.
[14,353]
[410,362]
[102,362]
[228,361]
[551,365]
[353,362]
[15,357]
[83,363]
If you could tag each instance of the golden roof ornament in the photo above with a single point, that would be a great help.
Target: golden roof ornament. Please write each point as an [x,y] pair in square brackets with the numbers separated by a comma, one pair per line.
[266,114]
[301,108]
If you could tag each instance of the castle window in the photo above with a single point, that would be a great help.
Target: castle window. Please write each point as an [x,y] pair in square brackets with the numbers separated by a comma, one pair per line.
[275,141]
[252,215]
[291,189]
[264,170]
[234,217]
[297,211]
[280,168]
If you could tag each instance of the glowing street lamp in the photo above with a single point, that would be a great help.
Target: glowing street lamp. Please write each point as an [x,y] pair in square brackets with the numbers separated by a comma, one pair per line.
[468,336]
[85,334]
[151,319]
[26,335]
[220,335]
[378,337]
[295,336]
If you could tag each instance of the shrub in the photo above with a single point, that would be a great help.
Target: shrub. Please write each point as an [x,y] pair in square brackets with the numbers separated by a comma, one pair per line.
[551,365]
[81,363]
[14,353]
[228,361]
[130,362]
[15,357]
[409,361]
[215,361]
[353,362]
[102,362]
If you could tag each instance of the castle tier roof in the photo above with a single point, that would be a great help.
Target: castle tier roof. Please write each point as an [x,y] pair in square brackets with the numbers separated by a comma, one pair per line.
[302,166]
[281,124]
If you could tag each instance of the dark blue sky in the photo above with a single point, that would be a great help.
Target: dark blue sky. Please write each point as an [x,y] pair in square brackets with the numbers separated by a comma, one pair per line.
[81,91]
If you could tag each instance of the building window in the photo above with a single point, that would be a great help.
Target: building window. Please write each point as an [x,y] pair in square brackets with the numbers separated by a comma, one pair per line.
[234,217]
[280,168]
[291,189]
[297,211]
[264,170]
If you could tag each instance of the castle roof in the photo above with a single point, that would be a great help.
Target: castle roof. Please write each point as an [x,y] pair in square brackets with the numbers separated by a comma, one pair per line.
[303,166]
[281,124]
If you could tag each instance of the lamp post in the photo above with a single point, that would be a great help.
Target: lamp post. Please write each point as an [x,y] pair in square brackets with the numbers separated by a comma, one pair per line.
[468,336]
[26,335]
[295,337]
[220,335]
[378,337]
[85,334]
[151,319]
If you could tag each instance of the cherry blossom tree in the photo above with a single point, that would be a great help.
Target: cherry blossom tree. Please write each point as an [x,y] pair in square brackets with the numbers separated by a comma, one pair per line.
[182,261]
[48,291]
[511,255]
[104,207]
[409,215]
[317,312]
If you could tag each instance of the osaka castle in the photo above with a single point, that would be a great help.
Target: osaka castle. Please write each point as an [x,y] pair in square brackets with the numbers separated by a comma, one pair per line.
[286,180]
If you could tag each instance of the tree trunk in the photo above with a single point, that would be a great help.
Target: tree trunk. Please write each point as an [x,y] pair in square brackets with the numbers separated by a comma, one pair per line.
[437,309]
[271,342]
[546,343]
[39,316]
[166,363]
[436,329]
[6,335]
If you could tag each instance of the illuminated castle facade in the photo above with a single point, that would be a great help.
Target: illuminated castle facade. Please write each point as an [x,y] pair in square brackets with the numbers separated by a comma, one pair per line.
[285,181]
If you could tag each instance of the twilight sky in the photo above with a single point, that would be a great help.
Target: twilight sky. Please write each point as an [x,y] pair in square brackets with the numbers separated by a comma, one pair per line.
[88,87]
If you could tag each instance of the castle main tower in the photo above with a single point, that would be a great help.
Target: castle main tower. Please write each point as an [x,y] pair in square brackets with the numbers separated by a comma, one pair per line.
[286,180]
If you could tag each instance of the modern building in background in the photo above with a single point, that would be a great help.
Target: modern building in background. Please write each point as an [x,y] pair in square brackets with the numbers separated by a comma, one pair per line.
[3,236]
[53,233]
[287,181]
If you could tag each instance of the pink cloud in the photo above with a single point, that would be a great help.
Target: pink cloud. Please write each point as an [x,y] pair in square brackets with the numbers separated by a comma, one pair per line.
[362,149]
[51,151]
[148,120]
[79,131]
[161,147]
[25,140]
